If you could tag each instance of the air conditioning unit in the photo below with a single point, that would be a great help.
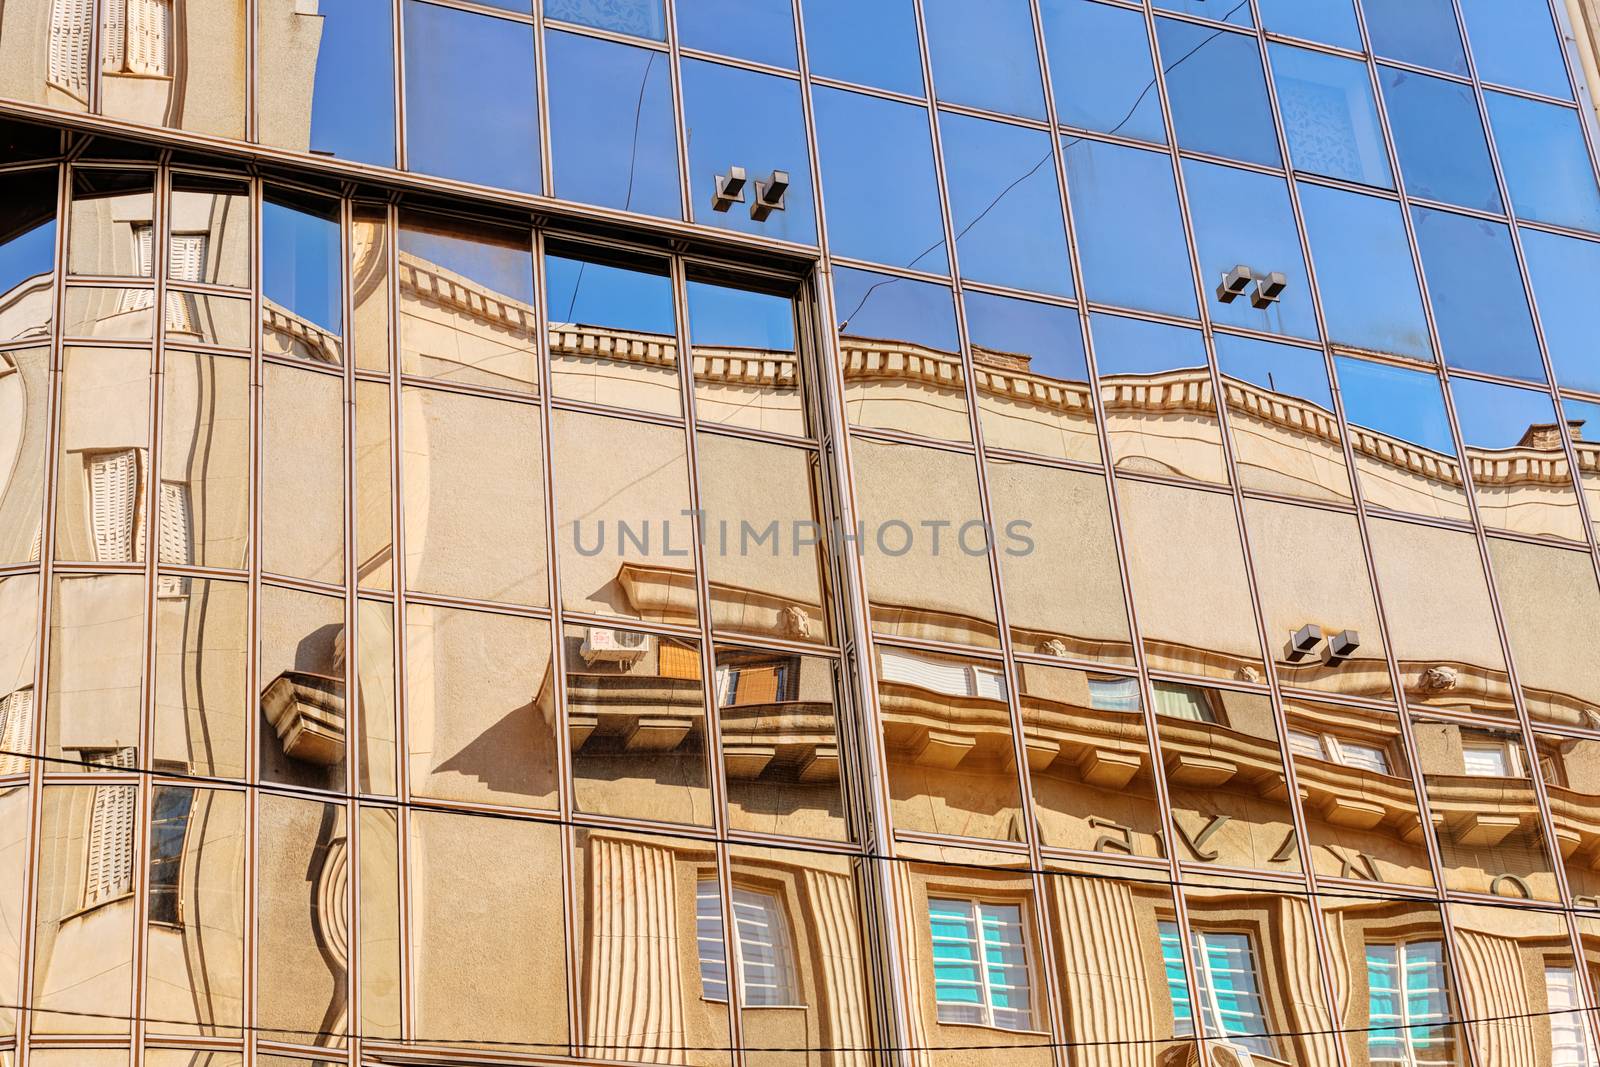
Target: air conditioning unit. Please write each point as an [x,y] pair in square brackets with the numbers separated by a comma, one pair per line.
[613,646]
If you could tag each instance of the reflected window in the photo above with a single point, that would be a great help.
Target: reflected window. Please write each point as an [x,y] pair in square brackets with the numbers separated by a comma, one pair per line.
[1479,305]
[1335,749]
[1217,92]
[1408,1004]
[27,252]
[1189,702]
[1329,116]
[1570,1043]
[1422,32]
[1229,992]
[983,55]
[1114,694]
[1514,43]
[1005,205]
[613,138]
[760,30]
[861,140]
[871,44]
[302,308]
[1486,759]
[1438,139]
[1328,21]
[1129,229]
[980,964]
[766,958]
[612,329]
[169,826]
[1548,173]
[641,18]
[470,95]
[339,57]
[1100,69]
[1563,270]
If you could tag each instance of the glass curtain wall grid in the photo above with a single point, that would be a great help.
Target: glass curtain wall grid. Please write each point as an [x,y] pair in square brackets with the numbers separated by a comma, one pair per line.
[1326,798]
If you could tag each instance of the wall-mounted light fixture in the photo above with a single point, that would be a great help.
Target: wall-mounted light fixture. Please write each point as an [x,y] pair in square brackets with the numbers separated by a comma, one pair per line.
[1341,646]
[728,190]
[769,195]
[1233,283]
[1303,642]
[1267,289]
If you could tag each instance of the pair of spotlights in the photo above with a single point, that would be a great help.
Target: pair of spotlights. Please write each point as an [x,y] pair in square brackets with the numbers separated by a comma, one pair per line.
[1268,287]
[1304,641]
[729,190]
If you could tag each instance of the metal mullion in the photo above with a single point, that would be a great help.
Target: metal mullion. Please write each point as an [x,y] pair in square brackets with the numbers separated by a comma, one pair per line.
[889,269]
[865,90]
[252,770]
[886,435]
[725,60]
[669,11]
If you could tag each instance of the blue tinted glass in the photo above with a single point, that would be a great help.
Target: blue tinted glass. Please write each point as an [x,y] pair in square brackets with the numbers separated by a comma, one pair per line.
[470,98]
[27,237]
[984,55]
[1133,346]
[1498,416]
[642,18]
[1478,301]
[1402,403]
[1100,69]
[522,6]
[1329,116]
[765,132]
[1235,12]
[1583,422]
[1005,205]
[1217,92]
[1130,232]
[352,97]
[1566,276]
[613,140]
[762,30]
[739,318]
[1370,296]
[879,180]
[1438,136]
[868,304]
[1422,32]
[597,294]
[501,261]
[1241,217]
[1280,368]
[300,262]
[870,43]
[1328,21]
[1045,334]
[1514,43]
[1545,161]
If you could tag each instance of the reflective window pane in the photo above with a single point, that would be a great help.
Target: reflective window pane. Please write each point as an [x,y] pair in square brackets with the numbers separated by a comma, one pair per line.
[1549,601]
[1438,138]
[1510,433]
[1546,162]
[16,815]
[612,333]
[1129,230]
[642,18]
[1280,414]
[205,459]
[1404,450]
[760,30]
[1033,381]
[1100,69]
[375,696]
[1329,116]
[92,705]
[1479,304]
[27,254]
[301,669]
[1328,21]
[984,56]
[1422,32]
[1365,274]
[469,98]
[880,315]
[302,311]
[200,684]
[103,456]
[209,232]
[765,135]
[1563,271]
[1005,205]
[1217,92]
[1229,11]
[860,139]
[1578,415]
[340,62]
[871,44]
[302,480]
[1155,386]
[378,904]
[189,72]
[371,242]
[24,397]
[374,475]
[109,223]
[1514,43]
[746,368]
[300,908]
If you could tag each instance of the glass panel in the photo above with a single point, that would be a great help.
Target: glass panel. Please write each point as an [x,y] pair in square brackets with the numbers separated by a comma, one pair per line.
[27,252]
[746,370]
[760,30]
[1329,116]
[194,958]
[1172,525]
[302,312]
[1329,21]
[622,513]
[1217,92]
[918,506]
[1485,817]
[103,456]
[202,655]
[984,56]
[642,18]
[1100,69]
[1548,173]
[96,639]
[860,139]
[374,517]
[780,742]
[902,368]
[1005,205]
[1399,1008]
[375,696]
[1515,44]
[1562,270]
[301,671]
[19,646]
[470,88]
[301,914]
[473,988]
[302,474]
[1155,386]
[1568,766]
[1129,230]
[1548,602]
[1055,537]
[1033,381]
[327,79]
[872,44]
[765,135]
[1245,218]
[1089,763]
[474,513]
[209,231]
[1440,624]
[1479,304]
[947,733]
[1577,414]
[1520,475]
[378,906]
[1520,953]
[205,479]
[111,314]
[189,72]
[1280,416]
[1401,437]
[599,92]
[612,332]
[15,816]
[200,318]
[637,724]
[1230,802]
[109,229]
[370,247]
[24,411]
[467,303]
[480,707]
[1438,138]
[1416,31]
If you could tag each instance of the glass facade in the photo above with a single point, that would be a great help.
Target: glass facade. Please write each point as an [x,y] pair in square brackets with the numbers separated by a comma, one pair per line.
[1041,532]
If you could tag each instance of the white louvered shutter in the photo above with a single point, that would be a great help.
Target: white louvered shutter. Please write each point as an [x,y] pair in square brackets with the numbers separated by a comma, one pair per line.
[113,504]
[71,26]
[143,251]
[114,35]
[16,731]
[186,262]
[110,866]
[149,26]
[176,543]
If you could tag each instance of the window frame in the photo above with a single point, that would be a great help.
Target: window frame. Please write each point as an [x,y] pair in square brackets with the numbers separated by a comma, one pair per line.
[1203,1001]
[986,1005]
[785,963]
[1405,1028]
